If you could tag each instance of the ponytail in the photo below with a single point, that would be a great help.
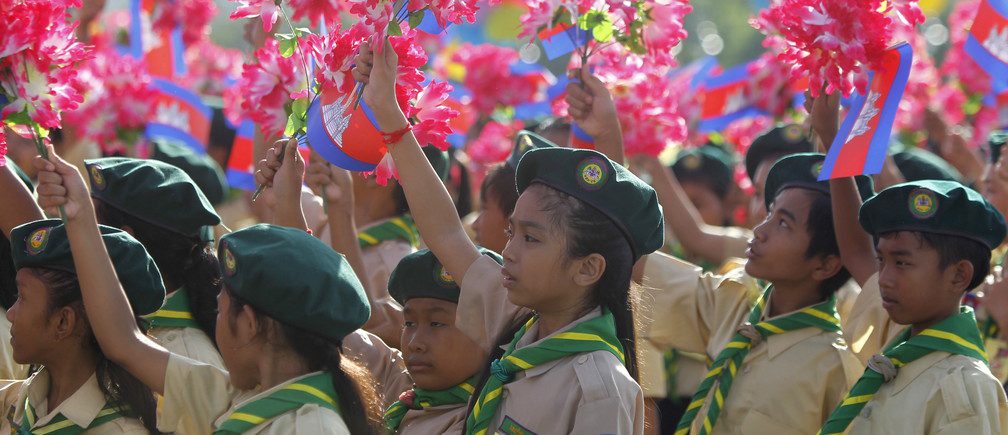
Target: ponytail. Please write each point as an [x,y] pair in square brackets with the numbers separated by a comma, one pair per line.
[183,261]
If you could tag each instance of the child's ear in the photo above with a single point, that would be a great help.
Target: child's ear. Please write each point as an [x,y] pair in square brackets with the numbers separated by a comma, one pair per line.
[829,265]
[589,270]
[962,274]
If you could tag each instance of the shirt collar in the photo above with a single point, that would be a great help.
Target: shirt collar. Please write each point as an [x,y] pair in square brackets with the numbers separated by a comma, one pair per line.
[530,334]
[81,408]
[779,343]
[911,371]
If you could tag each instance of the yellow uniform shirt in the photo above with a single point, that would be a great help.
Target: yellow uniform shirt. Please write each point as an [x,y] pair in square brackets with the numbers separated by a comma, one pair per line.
[81,408]
[589,392]
[788,383]
[204,392]
[939,393]
[447,419]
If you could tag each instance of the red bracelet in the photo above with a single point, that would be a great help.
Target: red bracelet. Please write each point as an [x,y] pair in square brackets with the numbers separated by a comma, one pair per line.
[395,136]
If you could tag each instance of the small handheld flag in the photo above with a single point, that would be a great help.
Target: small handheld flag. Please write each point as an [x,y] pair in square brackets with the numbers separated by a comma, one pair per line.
[180,115]
[344,135]
[861,144]
[725,100]
[562,39]
[987,42]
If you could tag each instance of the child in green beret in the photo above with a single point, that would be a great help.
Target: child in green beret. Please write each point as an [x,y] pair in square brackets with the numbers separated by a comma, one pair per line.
[19,208]
[163,208]
[779,362]
[561,305]
[442,360]
[916,248]
[79,387]
[288,301]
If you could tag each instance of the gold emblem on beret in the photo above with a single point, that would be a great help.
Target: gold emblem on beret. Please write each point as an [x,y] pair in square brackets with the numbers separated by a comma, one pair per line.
[692,162]
[97,178]
[923,203]
[38,240]
[792,133]
[592,173]
[442,277]
[816,170]
[230,265]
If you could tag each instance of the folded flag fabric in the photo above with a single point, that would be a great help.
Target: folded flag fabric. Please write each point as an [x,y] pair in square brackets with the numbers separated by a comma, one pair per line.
[179,115]
[987,42]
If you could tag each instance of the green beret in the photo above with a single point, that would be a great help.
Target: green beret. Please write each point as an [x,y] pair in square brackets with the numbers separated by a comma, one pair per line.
[780,141]
[607,186]
[524,142]
[45,244]
[919,164]
[934,206]
[204,171]
[996,142]
[439,161]
[802,170]
[708,163]
[421,275]
[294,278]
[153,191]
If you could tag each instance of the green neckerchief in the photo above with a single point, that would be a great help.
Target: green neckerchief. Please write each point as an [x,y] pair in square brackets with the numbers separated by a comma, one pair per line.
[175,312]
[722,372]
[957,335]
[423,399]
[591,335]
[316,388]
[60,425]
[401,227]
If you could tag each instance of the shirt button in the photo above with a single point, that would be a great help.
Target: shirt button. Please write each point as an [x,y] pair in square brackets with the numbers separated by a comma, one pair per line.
[504,394]
[582,359]
[866,412]
[746,369]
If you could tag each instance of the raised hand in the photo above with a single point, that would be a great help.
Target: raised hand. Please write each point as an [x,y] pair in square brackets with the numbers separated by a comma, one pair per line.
[333,184]
[824,113]
[60,185]
[591,105]
[283,177]
[378,72]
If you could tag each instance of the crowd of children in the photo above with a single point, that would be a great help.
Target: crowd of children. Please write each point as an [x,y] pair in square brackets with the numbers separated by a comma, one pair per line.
[590,292]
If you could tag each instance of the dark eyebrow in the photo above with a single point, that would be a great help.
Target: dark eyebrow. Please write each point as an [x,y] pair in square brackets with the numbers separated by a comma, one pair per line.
[787,213]
[531,224]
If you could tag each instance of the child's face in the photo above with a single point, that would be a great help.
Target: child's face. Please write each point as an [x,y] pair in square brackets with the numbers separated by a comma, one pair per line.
[710,206]
[491,225]
[438,355]
[33,327]
[915,290]
[777,251]
[537,273]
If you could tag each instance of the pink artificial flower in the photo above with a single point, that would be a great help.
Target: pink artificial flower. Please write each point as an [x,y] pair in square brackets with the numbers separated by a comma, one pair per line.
[665,30]
[317,11]
[192,16]
[385,170]
[433,127]
[374,15]
[488,76]
[834,42]
[266,9]
[494,143]
[3,148]
[267,88]
[118,101]
[209,67]
[334,57]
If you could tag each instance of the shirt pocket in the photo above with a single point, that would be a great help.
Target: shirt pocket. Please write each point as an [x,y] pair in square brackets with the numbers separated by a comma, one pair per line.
[758,423]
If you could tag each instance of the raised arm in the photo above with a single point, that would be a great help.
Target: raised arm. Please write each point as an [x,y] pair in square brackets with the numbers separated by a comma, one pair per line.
[592,108]
[109,312]
[18,205]
[857,249]
[285,180]
[430,204]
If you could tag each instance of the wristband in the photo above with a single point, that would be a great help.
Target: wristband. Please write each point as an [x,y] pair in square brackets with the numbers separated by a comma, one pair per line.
[394,137]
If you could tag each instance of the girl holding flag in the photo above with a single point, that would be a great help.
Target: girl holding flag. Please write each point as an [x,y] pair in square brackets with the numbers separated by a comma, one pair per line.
[578,226]
[279,327]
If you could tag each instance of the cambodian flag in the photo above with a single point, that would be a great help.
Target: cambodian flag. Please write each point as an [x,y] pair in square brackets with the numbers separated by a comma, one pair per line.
[344,135]
[987,41]
[164,59]
[180,115]
[725,99]
[562,39]
[861,144]
[240,164]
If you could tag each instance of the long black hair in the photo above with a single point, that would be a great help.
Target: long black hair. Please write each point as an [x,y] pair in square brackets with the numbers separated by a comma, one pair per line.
[185,261]
[358,399]
[134,399]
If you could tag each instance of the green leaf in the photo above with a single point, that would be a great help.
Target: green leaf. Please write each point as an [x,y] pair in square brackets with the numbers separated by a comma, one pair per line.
[603,32]
[287,47]
[301,31]
[295,124]
[415,18]
[300,107]
[285,36]
[19,118]
[394,30]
